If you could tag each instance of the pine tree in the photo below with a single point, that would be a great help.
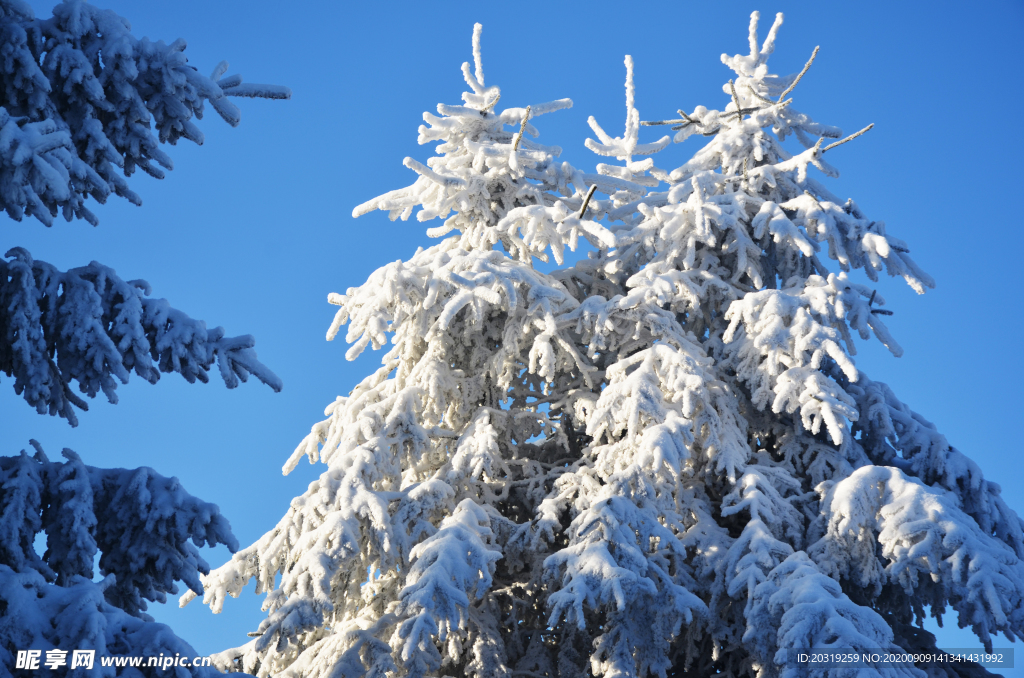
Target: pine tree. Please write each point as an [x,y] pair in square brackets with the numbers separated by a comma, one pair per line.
[83,103]
[658,460]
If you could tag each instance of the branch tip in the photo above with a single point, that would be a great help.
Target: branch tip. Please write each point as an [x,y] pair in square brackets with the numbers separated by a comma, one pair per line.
[522,128]
[843,141]
[801,74]
[586,201]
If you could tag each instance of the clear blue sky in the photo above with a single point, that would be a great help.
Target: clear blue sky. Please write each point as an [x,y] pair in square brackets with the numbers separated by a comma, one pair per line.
[253,230]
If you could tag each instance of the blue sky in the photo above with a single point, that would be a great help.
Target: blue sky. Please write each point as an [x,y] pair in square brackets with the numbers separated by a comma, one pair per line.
[254,229]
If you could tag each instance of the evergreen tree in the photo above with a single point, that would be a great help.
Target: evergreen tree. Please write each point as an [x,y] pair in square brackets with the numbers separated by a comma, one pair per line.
[84,102]
[660,459]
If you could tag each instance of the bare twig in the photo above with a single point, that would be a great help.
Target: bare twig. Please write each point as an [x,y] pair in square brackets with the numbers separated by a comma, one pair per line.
[873,293]
[735,100]
[764,99]
[801,74]
[652,123]
[685,119]
[881,311]
[558,463]
[744,171]
[522,127]
[586,201]
[849,138]
[491,105]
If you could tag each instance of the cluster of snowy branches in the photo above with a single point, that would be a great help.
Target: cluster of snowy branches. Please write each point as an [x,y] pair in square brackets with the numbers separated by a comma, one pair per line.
[139,525]
[85,103]
[90,326]
[660,458]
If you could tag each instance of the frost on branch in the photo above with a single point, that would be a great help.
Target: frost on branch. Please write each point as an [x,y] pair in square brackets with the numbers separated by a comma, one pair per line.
[90,326]
[85,104]
[139,523]
[658,459]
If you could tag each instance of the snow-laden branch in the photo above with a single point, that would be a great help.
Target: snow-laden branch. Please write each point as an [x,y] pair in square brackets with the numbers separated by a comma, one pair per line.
[928,546]
[86,103]
[139,524]
[89,326]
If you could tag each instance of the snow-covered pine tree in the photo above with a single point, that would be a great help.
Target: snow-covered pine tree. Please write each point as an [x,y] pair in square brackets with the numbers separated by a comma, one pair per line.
[659,460]
[80,99]
[83,103]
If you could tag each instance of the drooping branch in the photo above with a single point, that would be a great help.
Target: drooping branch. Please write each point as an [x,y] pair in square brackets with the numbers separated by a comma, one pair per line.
[90,326]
